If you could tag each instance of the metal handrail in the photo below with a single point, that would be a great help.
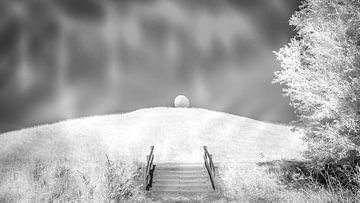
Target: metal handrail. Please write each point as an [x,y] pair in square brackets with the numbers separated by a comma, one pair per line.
[209,165]
[149,168]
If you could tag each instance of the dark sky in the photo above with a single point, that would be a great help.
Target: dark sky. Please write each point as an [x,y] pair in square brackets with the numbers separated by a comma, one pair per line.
[66,59]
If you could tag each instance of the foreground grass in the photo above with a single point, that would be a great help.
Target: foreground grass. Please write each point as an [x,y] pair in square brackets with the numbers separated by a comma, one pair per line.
[64,181]
[118,181]
[278,181]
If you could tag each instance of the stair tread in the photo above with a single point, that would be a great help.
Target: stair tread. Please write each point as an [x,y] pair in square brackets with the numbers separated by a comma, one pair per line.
[159,181]
[180,168]
[182,186]
[181,183]
[183,174]
[180,174]
[177,177]
[200,178]
[178,171]
[182,191]
[172,164]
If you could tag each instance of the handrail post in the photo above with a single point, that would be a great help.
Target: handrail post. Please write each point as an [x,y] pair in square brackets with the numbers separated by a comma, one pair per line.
[212,164]
[145,169]
[149,164]
[209,165]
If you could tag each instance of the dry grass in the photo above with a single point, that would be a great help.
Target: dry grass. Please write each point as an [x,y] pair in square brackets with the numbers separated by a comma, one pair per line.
[119,179]
[63,181]
[177,133]
[247,182]
[280,182]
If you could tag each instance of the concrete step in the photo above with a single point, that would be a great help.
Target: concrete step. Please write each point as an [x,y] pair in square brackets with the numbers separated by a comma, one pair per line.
[181,177]
[181,168]
[179,164]
[183,192]
[179,173]
[179,181]
[181,187]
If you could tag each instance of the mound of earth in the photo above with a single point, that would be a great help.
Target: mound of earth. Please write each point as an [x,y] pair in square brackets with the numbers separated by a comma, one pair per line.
[178,134]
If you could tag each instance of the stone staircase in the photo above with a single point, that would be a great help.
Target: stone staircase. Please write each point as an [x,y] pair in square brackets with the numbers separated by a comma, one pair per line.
[181,178]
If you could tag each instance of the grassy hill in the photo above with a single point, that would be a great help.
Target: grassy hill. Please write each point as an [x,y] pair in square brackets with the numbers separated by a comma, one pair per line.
[51,162]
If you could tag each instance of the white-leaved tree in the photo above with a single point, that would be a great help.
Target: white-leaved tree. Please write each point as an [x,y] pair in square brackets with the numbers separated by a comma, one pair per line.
[320,73]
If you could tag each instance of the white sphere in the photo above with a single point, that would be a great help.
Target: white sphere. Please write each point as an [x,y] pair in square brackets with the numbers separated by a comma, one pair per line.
[181,102]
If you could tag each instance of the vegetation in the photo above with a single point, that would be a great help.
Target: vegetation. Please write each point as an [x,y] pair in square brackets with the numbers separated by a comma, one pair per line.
[119,179]
[63,181]
[286,181]
[321,74]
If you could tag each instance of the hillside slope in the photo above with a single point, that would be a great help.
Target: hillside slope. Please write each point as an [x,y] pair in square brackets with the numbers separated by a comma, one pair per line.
[177,134]
[33,159]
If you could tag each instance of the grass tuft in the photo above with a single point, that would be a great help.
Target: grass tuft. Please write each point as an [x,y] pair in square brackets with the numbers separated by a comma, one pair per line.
[120,178]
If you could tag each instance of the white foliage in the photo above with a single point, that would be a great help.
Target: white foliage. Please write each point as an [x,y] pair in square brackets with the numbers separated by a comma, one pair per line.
[320,71]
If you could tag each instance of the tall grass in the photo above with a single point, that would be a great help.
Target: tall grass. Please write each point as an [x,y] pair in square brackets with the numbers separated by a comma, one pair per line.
[338,182]
[287,181]
[65,181]
[246,182]
[119,180]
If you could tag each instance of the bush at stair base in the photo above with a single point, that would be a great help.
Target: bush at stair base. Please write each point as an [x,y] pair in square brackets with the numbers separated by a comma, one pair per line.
[249,183]
[119,178]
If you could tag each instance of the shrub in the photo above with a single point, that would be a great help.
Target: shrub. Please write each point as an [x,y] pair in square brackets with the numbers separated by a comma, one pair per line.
[59,182]
[330,183]
[249,183]
[321,75]
[119,179]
